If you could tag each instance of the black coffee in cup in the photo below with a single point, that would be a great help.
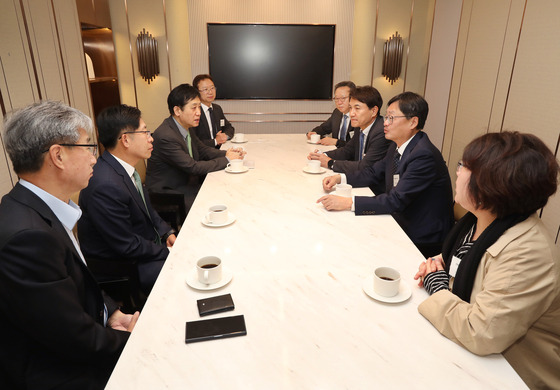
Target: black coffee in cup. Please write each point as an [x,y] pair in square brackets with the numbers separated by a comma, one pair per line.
[209,266]
[386,278]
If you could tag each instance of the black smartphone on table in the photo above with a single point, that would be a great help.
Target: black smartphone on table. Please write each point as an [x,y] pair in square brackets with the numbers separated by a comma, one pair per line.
[216,328]
[215,305]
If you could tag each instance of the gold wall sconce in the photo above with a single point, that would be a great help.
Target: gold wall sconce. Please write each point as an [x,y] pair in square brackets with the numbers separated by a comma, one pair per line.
[392,58]
[147,51]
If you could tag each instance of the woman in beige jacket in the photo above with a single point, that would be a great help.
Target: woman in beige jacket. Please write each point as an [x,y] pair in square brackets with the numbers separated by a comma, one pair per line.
[496,286]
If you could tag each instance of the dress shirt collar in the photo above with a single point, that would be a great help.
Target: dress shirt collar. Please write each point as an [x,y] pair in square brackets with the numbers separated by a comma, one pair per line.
[182,130]
[127,167]
[367,129]
[205,107]
[67,213]
[401,148]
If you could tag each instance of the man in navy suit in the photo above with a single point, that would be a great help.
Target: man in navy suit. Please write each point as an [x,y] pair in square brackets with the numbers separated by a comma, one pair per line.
[58,329]
[368,145]
[118,220]
[418,188]
[213,129]
[338,125]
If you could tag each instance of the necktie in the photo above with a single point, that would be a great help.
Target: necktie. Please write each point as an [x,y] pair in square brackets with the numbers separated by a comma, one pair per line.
[342,134]
[361,146]
[396,160]
[212,124]
[138,183]
[188,140]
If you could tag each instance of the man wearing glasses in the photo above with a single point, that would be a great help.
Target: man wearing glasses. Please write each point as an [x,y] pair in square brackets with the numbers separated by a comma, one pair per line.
[338,125]
[418,188]
[118,221]
[214,129]
[58,329]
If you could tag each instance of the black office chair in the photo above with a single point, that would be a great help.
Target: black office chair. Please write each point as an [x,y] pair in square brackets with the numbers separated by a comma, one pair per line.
[119,279]
[170,207]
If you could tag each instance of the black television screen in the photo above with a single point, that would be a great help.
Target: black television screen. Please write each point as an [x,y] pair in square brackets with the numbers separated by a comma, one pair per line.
[271,61]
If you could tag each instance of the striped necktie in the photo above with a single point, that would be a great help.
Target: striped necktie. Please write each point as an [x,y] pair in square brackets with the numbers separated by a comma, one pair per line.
[361,146]
[342,135]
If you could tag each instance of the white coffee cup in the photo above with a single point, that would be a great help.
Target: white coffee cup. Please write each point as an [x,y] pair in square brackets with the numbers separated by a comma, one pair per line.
[209,270]
[313,165]
[386,281]
[235,165]
[344,190]
[217,214]
[239,137]
[315,138]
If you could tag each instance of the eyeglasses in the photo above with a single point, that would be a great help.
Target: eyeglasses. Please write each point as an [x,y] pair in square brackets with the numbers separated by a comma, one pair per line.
[146,132]
[91,147]
[340,99]
[206,90]
[460,165]
[389,118]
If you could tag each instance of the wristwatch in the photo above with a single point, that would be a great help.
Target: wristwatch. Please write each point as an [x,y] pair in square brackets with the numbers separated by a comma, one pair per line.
[330,163]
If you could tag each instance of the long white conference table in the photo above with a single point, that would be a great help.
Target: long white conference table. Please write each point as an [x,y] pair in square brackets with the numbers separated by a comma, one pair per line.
[298,272]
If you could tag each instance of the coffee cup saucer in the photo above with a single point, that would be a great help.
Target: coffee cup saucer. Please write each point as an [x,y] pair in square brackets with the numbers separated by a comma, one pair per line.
[311,142]
[243,170]
[230,220]
[321,170]
[192,280]
[404,292]
[239,142]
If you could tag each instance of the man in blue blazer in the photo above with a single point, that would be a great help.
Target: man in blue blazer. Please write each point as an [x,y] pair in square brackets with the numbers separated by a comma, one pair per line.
[118,221]
[418,188]
[219,129]
[58,330]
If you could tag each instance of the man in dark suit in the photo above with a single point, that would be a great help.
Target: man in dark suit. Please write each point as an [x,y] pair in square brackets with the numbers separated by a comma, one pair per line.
[338,125]
[213,129]
[118,221]
[58,330]
[368,145]
[418,188]
[180,160]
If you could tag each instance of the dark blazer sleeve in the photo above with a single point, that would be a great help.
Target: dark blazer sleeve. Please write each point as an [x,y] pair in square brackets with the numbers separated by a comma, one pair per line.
[172,150]
[123,226]
[417,173]
[227,128]
[376,149]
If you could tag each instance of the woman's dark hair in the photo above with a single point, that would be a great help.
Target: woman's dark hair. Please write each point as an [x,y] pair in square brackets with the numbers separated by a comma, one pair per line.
[511,172]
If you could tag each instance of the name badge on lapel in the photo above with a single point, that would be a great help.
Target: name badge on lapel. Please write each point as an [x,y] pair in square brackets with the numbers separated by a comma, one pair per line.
[455,261]
[395,179]
[222,122]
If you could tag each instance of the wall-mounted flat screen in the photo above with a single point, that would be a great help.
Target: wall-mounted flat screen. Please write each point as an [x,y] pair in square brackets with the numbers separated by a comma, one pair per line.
[271,61]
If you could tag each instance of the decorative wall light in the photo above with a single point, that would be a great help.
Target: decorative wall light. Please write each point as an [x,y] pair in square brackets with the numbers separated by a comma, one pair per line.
[147,50]
[392,58]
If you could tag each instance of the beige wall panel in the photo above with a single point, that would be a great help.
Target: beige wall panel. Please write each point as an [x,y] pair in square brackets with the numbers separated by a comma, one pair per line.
[151,97]
[177,16]
[419,48]
[485,26]
[69,34]
[18,86]
[363,49]
[534,95]
[447,15]
[121,38]
[393,16]
[46,49]
[338,12]
[7,177]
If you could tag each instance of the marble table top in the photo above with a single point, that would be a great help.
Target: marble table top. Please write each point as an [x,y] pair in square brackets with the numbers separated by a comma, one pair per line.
[298,271]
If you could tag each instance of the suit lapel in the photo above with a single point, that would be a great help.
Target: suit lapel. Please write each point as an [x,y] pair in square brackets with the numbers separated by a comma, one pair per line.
[127,181]
[413,142]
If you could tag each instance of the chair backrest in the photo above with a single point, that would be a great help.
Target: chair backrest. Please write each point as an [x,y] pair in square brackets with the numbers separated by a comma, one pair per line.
[170,207]
[141,168]
[458,211]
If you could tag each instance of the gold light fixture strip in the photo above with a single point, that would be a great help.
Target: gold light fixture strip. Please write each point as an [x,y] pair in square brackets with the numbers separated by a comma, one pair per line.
[392,58]
[147,50]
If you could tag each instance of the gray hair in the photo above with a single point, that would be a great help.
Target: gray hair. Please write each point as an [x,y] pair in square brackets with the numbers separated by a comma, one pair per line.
[30,132]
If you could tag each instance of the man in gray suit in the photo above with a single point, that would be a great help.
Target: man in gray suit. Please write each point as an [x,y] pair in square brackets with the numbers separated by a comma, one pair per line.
[180,160]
